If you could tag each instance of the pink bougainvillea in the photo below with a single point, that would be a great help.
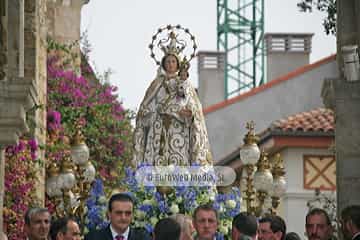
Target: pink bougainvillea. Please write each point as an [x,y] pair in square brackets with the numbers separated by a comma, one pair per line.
[106,124]
[71,98]
[20,175]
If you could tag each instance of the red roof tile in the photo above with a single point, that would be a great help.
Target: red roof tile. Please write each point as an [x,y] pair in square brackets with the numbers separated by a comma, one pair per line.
[318,120]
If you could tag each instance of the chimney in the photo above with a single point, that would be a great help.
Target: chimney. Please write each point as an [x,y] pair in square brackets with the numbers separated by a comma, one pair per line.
[286,52]
[211,77]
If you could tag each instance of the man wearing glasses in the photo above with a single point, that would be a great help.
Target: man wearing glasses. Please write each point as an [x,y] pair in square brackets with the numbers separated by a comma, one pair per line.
[350,222]
[120,214]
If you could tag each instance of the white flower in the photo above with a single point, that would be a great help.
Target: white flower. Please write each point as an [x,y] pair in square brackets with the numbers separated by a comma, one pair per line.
[179,200]
[147,202]
[221,208]
[231,203]
[102,200]
[140,224]
[212,195]
[223,229]
[103,213]
[174,208]
[140,214]
[153,220]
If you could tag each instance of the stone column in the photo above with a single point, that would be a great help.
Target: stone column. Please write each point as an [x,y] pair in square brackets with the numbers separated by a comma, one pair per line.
[35,33]
[3,39]
[3,61]
[16,38]
[347,140]
[63,21]
[347,111]
[2,185]
[17,93]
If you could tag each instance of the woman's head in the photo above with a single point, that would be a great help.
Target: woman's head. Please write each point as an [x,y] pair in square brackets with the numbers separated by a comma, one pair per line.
[170,63]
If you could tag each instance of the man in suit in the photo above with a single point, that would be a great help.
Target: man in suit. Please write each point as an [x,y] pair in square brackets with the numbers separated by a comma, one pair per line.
[272,228]
[318,225]
[37,223]
[350,222]
[244,226]
[120,214]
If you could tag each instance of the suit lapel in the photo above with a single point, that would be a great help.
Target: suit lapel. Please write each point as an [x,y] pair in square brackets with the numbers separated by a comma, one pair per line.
[131,237]
[108,234]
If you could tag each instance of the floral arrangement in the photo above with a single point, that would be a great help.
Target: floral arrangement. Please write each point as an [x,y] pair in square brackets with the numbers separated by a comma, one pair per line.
[96,206]
[152,205]
[20,174]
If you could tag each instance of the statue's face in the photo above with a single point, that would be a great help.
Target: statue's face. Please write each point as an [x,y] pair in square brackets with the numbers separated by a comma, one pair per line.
[171,64]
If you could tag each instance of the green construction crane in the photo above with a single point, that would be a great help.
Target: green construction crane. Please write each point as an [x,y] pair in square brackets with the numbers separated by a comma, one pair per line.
[240,33]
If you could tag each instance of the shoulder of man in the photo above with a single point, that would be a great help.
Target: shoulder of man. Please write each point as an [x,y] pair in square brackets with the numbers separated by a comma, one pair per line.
[98,234]
[139,233]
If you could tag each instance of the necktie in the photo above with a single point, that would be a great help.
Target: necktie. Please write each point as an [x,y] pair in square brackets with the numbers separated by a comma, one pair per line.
[119,237]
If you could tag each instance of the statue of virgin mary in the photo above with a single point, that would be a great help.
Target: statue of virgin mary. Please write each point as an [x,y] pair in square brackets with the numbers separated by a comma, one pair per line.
[170,127]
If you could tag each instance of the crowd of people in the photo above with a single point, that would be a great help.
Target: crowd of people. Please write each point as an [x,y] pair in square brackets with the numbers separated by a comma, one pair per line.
[203,225]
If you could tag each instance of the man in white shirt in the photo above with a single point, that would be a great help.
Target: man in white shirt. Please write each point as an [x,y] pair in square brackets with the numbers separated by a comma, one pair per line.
[120,214]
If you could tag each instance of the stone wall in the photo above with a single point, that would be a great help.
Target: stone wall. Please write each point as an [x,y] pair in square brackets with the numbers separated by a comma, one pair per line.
[23,79]
[346,103]
[35,33]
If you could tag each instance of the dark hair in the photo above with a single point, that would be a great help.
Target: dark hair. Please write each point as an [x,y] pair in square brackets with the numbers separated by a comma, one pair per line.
[34,211]
[245,223]
[352,213]
[205,207]
[277,224]
[292,236]
[59,225]
[121,197]
[164,58]
[318,211]
[167,228]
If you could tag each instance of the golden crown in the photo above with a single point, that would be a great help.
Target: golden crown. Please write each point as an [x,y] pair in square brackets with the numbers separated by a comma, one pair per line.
[172,44]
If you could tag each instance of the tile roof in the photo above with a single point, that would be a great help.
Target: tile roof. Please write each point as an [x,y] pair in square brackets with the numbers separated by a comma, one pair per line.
[318,120]
[295,130]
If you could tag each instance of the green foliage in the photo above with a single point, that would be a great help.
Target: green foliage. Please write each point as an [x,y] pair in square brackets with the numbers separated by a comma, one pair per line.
[327,6]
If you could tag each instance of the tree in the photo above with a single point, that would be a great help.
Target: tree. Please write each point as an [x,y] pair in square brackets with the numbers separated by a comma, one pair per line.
[327,6]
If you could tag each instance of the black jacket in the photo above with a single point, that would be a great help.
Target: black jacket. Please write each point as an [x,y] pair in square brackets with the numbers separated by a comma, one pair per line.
[105,234]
